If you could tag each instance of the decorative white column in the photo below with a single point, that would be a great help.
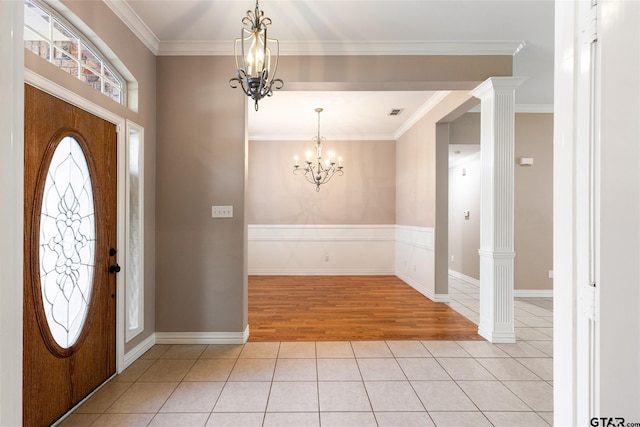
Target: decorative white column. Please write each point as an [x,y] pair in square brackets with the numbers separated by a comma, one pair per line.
[496,207]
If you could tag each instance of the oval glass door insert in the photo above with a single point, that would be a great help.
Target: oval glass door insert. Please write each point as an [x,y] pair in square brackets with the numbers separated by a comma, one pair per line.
[67,242]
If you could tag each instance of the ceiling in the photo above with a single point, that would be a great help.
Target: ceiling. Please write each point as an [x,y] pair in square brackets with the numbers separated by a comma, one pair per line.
[341,27]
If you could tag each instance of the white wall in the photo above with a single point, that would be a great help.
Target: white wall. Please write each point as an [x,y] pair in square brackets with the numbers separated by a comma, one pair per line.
[11,210]
[464,233]
[321,249]
[404,251]
[415,260]
[597,340]
[618,249]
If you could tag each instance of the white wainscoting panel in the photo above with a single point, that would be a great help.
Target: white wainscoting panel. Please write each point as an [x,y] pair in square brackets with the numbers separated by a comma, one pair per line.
[321,249]
[415,260]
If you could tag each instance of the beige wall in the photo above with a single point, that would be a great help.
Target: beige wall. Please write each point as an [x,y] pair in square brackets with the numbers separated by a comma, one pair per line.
[142,64]
[396,72]
[466,129]
[364,194]
[533,225]
[533,208]
[201,266]
[422,177]
[416,163]
[415,180]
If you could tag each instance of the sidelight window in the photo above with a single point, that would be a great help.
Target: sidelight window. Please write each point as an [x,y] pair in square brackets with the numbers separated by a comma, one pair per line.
[135,232]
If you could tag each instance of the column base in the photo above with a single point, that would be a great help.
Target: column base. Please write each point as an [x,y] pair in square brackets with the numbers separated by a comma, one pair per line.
[497,337]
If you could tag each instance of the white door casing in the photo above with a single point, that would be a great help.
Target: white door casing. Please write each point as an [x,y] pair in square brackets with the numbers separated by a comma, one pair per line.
[11,213]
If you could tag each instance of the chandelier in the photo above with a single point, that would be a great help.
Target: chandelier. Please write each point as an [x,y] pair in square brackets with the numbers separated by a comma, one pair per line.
[316,171]
[253,58]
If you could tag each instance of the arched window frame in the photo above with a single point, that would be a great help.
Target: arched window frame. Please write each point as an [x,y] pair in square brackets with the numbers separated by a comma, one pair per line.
[51,37]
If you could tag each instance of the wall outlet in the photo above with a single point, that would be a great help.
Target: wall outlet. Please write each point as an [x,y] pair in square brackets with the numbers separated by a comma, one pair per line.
[550,274]
[453,258]
[221,211]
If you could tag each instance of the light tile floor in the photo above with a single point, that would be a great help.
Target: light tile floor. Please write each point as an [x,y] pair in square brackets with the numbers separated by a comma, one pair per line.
[351,384]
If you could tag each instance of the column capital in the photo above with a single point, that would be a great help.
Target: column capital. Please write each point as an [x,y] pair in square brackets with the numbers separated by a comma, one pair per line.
[497,84]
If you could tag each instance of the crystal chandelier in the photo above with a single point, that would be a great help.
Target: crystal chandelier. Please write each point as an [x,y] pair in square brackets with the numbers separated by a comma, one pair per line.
[253,58]
[316,171]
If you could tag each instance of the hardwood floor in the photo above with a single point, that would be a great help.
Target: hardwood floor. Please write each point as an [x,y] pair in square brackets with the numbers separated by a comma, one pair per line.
[334,308]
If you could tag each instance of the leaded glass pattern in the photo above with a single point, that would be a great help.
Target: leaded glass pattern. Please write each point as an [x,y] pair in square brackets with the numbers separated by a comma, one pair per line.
[48,37]
[133,290]
[134,228]
[67,242]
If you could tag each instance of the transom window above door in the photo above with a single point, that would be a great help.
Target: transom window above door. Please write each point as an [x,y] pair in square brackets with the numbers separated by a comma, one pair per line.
[58,42]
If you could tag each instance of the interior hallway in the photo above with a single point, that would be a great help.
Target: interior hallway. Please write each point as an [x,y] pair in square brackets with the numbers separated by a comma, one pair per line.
[341,383]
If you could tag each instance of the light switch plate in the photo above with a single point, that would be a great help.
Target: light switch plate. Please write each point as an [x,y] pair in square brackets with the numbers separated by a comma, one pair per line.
[222,211]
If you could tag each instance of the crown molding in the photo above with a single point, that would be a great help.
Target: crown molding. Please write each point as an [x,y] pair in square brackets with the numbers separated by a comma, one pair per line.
[420,113]
[331,138]
[291,48]
[123,10]
[134,23]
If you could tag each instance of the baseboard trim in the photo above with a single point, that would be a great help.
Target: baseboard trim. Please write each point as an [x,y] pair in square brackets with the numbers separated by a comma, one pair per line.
[533,293]
[202,337]
[517,293]
[424,291]
[441,298]
[319,272]
[467,279]
[137,351]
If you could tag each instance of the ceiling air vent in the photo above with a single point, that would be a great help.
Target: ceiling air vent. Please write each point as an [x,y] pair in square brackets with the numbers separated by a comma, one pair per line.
[396,111]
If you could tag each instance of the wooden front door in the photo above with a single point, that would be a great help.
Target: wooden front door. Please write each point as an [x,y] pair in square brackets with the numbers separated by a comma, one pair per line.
[70,212]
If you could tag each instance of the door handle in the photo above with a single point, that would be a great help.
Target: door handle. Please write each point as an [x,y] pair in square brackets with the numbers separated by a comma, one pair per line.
[114,268]
[112,251]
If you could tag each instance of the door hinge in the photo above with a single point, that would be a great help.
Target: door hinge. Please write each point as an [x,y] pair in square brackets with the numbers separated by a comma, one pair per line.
[592,24]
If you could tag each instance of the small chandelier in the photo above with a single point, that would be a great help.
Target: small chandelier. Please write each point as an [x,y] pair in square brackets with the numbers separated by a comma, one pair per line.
[316,171]
[253,58]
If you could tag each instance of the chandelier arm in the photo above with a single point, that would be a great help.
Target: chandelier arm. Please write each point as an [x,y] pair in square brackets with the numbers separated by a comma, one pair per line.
[309,175]
[306,171]
[259,80]
[275,67]
[339,172]
[327,175]
[242,85]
